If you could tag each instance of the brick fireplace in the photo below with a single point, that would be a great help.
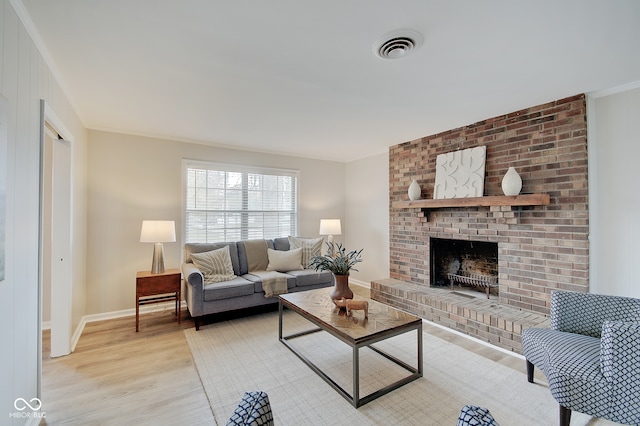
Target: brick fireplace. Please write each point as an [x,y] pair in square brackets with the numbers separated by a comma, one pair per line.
[540,247]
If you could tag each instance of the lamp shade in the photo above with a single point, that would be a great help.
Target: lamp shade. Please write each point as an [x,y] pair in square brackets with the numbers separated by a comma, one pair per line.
[330,227]
[158,231]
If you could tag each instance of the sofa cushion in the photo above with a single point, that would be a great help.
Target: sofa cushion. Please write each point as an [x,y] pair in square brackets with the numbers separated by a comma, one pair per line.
[215,265]
[310,247]
[281,243]
[256,251]
[228,289]
[190,248]
[306,277]
[283,261]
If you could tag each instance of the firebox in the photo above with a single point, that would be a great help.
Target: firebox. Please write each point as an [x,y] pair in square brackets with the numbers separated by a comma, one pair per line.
[472,264]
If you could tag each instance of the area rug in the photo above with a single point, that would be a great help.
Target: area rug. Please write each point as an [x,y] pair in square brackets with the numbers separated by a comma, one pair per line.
[245,355]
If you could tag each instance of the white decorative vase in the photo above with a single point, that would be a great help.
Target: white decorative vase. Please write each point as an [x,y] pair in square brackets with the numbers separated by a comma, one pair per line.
[511,182]
[414,191]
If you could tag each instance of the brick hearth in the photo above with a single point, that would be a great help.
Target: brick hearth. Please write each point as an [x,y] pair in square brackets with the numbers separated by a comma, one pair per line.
[540,248]
[483,319]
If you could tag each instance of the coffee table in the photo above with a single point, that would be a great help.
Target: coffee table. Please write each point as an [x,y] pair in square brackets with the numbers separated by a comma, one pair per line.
[383,322]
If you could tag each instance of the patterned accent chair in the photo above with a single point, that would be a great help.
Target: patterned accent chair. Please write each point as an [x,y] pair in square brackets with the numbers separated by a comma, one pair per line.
[590,356]
[472,415]
[253,410]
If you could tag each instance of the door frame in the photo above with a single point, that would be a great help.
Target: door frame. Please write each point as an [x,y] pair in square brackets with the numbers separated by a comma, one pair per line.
[63,304]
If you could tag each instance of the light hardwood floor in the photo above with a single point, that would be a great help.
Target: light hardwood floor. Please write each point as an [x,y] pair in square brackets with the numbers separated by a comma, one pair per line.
[117,376]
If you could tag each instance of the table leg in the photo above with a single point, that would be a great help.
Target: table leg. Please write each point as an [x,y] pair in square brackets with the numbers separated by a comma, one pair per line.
[280,321]
[356,376]
[178,306]
[420,350]
[137,313]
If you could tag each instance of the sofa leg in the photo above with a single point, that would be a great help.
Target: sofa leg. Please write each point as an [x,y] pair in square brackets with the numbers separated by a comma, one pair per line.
[529,372]
[565,416]
[197,321]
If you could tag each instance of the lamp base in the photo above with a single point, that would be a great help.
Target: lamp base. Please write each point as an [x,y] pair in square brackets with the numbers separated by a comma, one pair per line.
[157,266]
[330,249]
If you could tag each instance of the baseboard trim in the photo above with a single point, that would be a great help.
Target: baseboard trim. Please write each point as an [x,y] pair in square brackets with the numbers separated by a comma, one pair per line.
[360,283]
[158,307]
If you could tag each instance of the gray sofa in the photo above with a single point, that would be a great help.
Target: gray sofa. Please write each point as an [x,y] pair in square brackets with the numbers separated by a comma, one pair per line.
[245,290]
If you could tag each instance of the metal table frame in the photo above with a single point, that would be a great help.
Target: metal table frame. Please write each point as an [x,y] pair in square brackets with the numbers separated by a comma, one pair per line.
[355,399]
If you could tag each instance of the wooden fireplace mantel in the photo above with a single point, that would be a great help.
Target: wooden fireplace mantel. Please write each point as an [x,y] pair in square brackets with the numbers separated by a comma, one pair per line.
[488,201]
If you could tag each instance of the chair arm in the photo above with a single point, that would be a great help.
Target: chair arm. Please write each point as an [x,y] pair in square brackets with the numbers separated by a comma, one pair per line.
[620,351]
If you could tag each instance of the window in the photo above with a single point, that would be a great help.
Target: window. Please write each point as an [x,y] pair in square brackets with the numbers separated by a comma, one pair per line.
[230,203]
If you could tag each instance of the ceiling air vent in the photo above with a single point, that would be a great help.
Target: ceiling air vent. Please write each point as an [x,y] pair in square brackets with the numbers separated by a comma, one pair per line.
[397,44]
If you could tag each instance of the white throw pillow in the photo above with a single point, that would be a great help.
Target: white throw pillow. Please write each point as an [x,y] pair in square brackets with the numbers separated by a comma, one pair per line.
[284,260]
[311,247]
[215,265]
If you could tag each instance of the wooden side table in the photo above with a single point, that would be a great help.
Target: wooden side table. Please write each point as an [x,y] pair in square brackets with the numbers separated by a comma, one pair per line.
[155,288]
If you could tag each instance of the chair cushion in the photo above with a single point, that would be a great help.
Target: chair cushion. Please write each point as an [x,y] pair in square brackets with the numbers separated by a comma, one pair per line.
[575,355]
[555,350]
[253,410]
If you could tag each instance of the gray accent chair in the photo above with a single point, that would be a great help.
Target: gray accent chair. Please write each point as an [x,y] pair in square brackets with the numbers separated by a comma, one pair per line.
[590,355]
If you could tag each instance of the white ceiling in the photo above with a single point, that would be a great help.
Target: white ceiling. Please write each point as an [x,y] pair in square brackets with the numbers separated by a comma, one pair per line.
[300,77]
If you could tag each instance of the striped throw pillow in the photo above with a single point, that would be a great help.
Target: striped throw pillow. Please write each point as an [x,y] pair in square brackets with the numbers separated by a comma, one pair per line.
[311,247]
[215,265]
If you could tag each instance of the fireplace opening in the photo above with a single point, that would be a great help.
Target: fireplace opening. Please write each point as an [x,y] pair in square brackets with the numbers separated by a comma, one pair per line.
[467,266]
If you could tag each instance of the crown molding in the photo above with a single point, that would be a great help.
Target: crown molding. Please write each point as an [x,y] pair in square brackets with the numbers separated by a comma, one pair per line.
[614,90]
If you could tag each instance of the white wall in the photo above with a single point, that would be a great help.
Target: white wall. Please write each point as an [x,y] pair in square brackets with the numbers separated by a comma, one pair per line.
[132,178]
[614,173]
[25,79]
[367,215]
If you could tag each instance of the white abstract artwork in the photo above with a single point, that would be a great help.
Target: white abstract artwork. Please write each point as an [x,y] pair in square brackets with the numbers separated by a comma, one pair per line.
[460,174]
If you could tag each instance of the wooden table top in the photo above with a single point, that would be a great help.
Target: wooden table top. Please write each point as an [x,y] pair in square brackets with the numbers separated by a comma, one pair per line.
[317,306]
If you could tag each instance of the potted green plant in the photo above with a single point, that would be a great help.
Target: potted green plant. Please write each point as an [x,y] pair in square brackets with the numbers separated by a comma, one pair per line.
[340,263]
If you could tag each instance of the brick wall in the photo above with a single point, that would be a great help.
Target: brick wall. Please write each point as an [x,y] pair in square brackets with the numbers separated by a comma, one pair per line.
[540,248]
